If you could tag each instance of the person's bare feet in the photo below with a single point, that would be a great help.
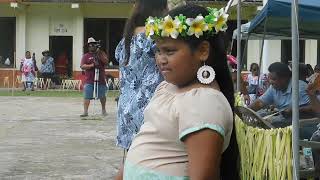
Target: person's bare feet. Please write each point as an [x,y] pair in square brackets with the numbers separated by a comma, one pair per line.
[84,115]
[104,113]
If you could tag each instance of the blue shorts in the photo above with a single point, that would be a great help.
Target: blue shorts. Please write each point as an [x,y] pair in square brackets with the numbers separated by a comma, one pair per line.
[88,91]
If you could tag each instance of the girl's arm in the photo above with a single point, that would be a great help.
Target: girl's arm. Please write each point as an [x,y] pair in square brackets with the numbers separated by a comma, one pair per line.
[21,65]
[204,150]
[53,65]
[43,60]
[119,176]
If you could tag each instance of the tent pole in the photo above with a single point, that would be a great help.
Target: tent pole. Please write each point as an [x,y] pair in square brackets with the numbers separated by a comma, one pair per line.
[261,52]
[239,45]
[244,51]
[231,47]
[295,88]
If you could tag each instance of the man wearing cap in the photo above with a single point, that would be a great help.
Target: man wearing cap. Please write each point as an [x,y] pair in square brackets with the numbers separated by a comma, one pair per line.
[95,58]
[47,66]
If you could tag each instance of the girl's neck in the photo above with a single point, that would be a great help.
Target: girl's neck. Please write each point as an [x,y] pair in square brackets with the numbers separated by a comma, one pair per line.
[196,84]
[138,30]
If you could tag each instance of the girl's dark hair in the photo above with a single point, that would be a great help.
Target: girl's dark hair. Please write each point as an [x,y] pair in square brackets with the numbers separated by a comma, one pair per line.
[142,10]
[218,60]
[252,65]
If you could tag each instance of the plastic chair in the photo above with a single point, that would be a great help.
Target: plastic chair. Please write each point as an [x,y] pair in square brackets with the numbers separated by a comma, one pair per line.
[40,83]
[6,82]
[18,80]
[48,83]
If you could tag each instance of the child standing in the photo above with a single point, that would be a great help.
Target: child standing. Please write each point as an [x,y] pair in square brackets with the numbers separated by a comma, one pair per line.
[27,68]
[188,130]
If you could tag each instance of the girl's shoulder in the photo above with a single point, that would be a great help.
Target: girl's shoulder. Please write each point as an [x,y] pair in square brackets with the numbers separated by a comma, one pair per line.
[194,94]
[201,94]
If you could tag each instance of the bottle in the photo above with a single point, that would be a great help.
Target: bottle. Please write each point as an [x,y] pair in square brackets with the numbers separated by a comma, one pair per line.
[307,153]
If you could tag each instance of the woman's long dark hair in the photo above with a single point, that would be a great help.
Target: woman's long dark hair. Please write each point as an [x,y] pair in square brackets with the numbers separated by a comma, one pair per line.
[142,10]
[218,60]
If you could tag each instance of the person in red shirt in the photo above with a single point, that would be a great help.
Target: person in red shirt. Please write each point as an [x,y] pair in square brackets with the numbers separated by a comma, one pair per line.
[95,58]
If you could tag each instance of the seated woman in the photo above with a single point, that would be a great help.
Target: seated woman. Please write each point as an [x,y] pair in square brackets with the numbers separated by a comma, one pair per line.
[47,67]
[257,84]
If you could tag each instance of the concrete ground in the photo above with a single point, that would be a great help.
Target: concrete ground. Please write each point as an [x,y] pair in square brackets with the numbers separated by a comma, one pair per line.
[44,138]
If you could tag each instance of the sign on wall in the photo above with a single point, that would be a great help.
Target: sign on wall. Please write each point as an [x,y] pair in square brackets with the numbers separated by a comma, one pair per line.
[60,26]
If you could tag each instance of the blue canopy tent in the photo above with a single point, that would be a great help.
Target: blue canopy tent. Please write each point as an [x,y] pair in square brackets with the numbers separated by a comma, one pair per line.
[274,20]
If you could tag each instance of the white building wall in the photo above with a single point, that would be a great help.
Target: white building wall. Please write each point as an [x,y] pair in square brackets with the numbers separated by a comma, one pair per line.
[311,52]
[271,54]
[77,42]
[253,52]
[42,22]
[37,36]
[21,23]
[7,11]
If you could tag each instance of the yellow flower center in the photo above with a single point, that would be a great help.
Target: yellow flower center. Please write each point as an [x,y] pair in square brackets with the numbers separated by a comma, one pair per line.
[168,26]
[197,26]
[220,21]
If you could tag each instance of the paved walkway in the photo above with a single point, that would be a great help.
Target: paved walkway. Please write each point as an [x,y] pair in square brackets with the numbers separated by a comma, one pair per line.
[44,138]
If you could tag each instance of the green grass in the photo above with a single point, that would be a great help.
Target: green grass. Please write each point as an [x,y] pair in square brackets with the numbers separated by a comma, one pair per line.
[50,93]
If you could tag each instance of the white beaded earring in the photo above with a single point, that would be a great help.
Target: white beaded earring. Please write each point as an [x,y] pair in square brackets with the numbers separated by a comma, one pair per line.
[206,74]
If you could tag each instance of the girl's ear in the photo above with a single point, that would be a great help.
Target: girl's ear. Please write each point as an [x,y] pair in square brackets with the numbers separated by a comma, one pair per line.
[203,51]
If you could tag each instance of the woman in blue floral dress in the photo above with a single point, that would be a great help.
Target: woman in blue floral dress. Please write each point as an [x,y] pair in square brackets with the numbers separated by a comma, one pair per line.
[139,74]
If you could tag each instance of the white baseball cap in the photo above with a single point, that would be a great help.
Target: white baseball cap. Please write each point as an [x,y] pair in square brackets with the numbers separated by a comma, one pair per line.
[91,40]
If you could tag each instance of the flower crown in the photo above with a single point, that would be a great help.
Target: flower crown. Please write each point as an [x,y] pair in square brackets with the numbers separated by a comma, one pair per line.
[181,26]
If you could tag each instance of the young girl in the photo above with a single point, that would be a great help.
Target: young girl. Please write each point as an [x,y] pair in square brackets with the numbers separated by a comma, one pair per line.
[139,73]
[27,68]
[188,131]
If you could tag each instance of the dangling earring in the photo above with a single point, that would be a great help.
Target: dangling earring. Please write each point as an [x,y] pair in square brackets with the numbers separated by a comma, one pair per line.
[206,74]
